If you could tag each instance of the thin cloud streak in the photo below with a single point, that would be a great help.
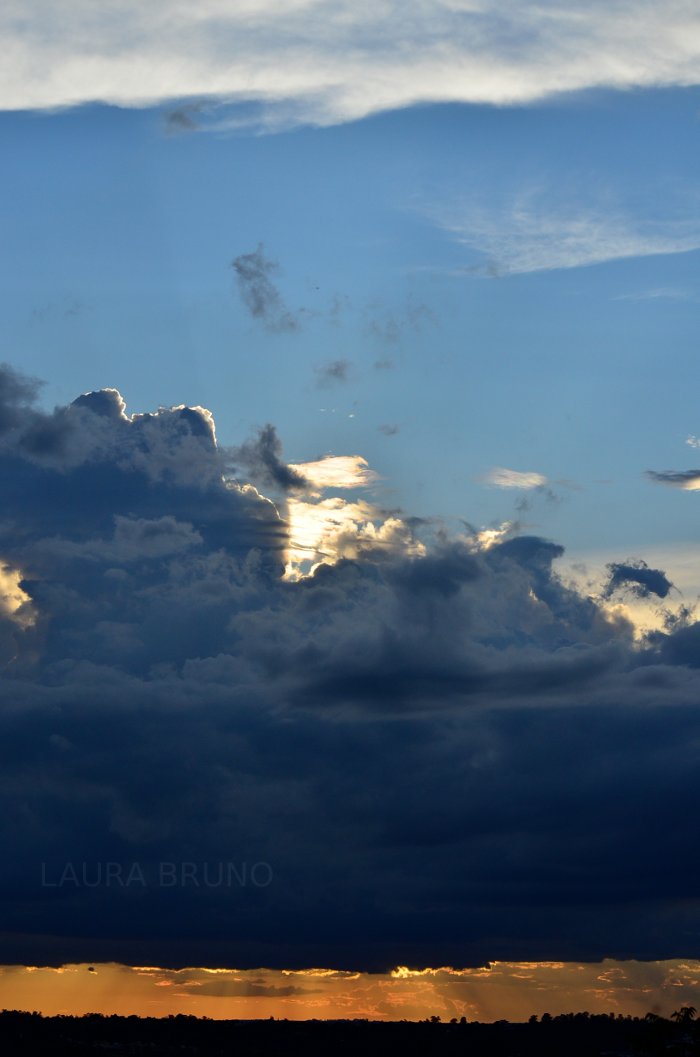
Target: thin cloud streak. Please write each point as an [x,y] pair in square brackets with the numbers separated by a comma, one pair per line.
[533,233]
[500,477]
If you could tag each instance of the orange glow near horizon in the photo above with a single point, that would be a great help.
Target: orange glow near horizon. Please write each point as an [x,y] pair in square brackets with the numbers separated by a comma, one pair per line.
[501,990]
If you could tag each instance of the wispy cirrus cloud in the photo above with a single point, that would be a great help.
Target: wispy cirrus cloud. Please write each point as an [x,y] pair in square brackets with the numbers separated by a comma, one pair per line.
[658,293]
[327,61]
[537,231]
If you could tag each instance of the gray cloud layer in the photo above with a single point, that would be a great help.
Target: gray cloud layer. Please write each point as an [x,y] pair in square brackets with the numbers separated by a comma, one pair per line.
[443,759]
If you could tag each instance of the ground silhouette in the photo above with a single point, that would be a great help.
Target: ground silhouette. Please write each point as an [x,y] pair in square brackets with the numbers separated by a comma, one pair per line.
[571,1034]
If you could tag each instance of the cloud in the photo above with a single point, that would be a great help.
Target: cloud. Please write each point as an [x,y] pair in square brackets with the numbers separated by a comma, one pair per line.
[440,752]
[17,393]
[688,480]
[338,61]
[389,430]
[182,119]
[390,327]
[500,477]
[260,295]
[539,230]
[333,373]
[337,471]
[635,576]
[483,993]
[262,459]
[660,293]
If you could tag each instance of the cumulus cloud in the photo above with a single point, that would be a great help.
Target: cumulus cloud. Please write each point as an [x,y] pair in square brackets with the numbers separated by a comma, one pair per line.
[443,753]
[337,60]
[259,294]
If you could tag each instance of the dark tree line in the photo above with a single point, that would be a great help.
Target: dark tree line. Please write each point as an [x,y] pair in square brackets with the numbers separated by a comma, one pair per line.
[570,1034]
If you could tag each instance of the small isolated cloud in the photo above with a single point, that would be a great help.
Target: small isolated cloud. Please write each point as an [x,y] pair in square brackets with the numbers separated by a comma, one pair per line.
[182,119]
[688,480]
[262,459]
[334,373]
[388,430]
[260,295]
[336,471]
[500,477]
[635,577]
[693,441]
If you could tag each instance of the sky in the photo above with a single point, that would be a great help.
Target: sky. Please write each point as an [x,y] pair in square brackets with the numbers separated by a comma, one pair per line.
[348,543]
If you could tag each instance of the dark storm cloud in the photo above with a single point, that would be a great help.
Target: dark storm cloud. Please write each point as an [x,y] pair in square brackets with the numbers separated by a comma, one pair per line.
[635,576]
[688,479]
[262,459]
[17,394]
[446,757]
[333,373]
[261,297]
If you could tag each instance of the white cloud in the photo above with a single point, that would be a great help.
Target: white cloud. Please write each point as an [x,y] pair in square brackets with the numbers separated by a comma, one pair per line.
[536,231]
[328,61]
[660,293]
[328,530]
[503,478]
[337,471]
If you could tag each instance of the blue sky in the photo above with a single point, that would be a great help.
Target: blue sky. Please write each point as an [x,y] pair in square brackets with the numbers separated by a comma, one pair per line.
[448,243]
